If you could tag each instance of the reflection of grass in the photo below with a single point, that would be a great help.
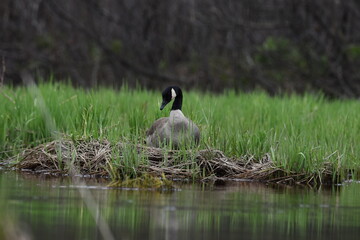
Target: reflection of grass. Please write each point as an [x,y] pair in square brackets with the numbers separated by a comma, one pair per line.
[146,181]
[2,213]
[256,210]
[299,132]
[10,227]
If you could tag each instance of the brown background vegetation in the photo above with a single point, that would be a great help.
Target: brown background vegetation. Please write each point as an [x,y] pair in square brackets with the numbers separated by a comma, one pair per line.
[276,45]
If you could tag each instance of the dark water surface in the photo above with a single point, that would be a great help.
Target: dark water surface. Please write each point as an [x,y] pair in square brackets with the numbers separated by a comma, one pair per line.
[52,208]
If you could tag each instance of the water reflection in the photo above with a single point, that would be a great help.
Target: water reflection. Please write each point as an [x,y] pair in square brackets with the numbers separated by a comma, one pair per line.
[51,208]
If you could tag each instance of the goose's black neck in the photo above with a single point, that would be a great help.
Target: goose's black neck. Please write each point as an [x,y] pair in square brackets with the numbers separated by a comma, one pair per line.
[177,102]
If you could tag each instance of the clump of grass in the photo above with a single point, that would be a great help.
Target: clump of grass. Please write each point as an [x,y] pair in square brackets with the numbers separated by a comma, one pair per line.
[301,134]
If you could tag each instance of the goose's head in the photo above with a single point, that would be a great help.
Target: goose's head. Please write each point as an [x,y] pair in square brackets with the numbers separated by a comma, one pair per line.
[169,94]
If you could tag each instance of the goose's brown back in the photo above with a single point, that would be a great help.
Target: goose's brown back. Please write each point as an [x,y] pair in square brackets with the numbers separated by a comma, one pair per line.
[156,125]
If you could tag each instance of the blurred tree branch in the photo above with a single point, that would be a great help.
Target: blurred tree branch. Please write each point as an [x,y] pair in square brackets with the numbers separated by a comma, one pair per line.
[2,76]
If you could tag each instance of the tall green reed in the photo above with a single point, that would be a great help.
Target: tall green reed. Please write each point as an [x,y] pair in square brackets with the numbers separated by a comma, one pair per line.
[299,132]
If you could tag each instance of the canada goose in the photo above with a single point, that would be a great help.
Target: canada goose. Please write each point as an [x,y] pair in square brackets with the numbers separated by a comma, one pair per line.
[175,129]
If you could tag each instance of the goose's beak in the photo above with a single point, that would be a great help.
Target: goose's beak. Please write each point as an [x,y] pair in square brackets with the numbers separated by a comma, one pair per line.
[163,104]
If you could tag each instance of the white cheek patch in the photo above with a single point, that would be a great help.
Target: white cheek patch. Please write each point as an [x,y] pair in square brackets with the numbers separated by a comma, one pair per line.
[173,94]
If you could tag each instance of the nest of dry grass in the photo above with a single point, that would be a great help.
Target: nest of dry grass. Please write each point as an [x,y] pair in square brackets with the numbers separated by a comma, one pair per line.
[101,158]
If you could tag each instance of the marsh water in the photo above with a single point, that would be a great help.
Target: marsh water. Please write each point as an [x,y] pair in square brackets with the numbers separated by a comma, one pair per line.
[56,208]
